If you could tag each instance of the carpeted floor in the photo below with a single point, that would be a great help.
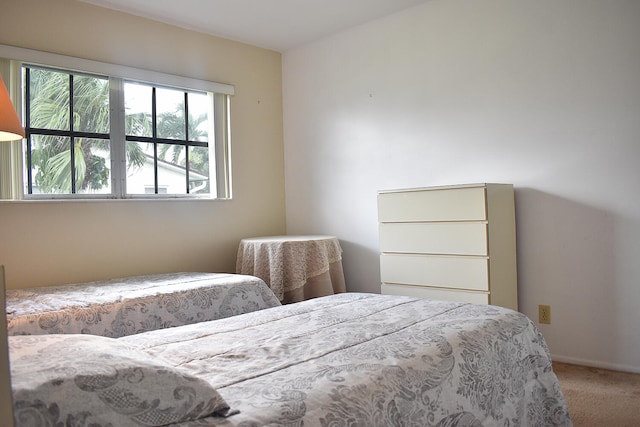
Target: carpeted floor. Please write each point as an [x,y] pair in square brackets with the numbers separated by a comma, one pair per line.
[599,397]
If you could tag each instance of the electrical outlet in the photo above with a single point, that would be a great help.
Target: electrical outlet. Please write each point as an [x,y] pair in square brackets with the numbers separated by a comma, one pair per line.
[544,314]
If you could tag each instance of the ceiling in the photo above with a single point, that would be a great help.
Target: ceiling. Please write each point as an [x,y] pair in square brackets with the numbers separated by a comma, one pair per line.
[272,24]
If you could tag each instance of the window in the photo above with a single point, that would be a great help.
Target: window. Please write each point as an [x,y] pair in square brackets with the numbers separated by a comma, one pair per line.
[67,133]
[167,133]
[118,132]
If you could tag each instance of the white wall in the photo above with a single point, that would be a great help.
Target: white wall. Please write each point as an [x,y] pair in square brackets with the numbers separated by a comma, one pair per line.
[542,94]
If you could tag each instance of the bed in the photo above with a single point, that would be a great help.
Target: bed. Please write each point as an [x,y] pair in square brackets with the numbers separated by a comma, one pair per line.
[349,359]
[130,305]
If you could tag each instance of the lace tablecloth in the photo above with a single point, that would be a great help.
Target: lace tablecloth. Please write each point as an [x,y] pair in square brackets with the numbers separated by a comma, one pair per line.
[286,263]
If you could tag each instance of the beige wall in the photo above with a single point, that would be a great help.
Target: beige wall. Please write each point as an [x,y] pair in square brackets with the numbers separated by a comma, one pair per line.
[45,243]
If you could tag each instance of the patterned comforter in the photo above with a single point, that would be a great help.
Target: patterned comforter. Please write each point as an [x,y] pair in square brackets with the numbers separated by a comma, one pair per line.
[119,307]
[369,360]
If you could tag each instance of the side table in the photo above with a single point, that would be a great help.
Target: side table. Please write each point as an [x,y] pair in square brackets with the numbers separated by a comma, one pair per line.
[296,268]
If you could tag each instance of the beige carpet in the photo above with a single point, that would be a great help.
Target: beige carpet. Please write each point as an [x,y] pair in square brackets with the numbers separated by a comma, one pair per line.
[599,397]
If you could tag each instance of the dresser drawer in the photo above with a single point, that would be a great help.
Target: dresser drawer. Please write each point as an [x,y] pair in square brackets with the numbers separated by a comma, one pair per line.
[434,238]
[451,272]
[459,204]
[436,293]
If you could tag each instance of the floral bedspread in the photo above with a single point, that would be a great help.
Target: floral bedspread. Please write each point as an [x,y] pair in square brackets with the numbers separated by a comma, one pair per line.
[370,360]
[119,307]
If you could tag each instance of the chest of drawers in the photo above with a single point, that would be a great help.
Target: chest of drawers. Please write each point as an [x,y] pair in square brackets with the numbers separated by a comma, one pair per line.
[454,243]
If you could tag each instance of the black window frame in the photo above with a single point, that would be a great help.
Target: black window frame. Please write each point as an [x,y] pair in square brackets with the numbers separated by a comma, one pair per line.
[215,174]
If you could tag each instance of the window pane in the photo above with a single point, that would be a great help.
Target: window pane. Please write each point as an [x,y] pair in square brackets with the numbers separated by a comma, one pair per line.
[199,170]
[93,166]
[91,104]
[172,154]
[51,164]
[49,99]
[199,108]
[172,174]
[140,173]
[170,113]
[137,106]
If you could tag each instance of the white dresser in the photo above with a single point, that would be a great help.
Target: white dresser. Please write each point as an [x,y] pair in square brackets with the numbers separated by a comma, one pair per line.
[454,243]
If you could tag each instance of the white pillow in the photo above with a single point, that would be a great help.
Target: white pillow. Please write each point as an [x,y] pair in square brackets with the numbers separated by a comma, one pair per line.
[92,380]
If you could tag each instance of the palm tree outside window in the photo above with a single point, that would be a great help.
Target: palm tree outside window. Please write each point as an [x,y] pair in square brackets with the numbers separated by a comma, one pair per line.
[168,136]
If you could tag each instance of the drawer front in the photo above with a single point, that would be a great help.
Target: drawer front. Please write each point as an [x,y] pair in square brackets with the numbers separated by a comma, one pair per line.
[457,204]
[436,293]
[450,272]
[434,238]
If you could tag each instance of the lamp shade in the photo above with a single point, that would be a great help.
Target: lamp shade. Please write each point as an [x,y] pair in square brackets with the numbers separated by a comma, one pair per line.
[10,127]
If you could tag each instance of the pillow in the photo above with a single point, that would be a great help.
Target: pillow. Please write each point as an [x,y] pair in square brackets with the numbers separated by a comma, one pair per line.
[92,380]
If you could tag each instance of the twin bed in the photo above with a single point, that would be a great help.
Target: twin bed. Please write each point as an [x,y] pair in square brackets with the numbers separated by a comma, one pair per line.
[202,349]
